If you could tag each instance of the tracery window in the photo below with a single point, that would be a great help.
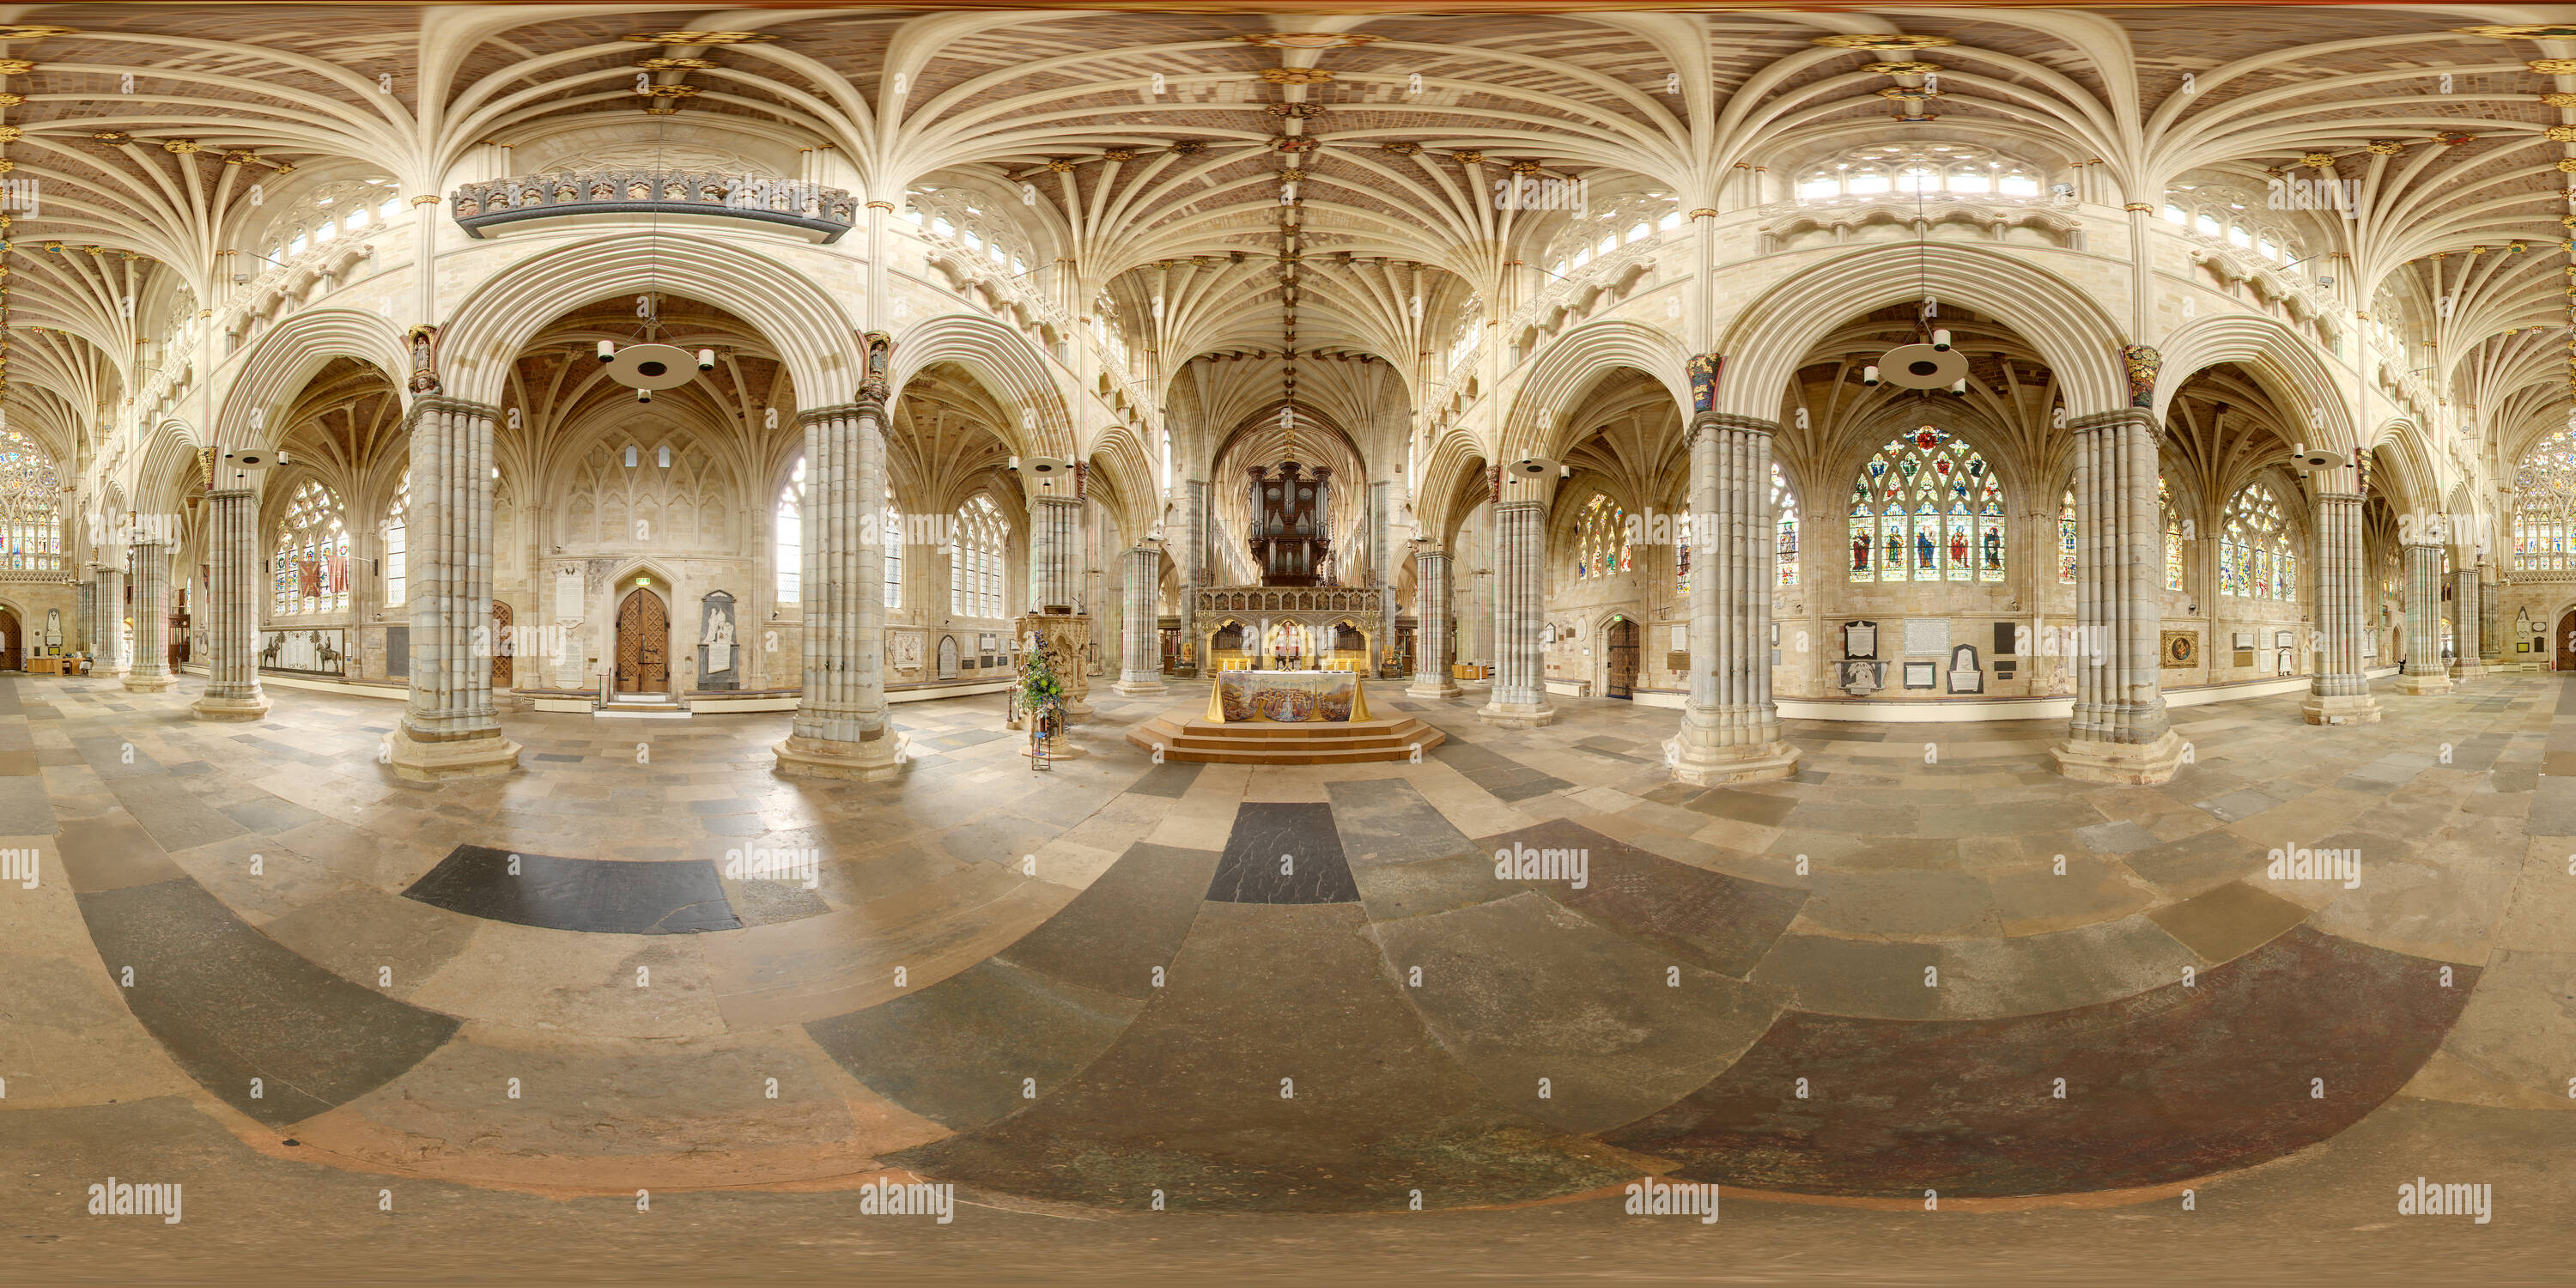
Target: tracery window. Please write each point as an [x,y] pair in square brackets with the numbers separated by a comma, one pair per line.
[31,505]
[311,569]
[893,552]
[2173,534]
[2254,553]
[1601,538]
[789,546]
[2544,505]
[397,545]
[975,559]
[1926,508]
[1784,509]
[1914,167]
[2066,538]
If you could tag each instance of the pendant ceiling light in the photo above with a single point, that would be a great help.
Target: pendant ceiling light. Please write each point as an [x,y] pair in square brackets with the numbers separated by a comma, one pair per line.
[650,365]
[1929,363]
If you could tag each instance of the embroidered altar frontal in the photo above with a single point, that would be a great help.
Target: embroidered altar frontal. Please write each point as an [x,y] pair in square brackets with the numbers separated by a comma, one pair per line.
[1287,697]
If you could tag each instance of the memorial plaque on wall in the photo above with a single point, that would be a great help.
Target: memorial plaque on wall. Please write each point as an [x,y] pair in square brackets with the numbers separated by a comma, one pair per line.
[1677,661]
[398,652]
[2007,639]
[1918,675]
[2244,657]
[1860,640]
[1927,635]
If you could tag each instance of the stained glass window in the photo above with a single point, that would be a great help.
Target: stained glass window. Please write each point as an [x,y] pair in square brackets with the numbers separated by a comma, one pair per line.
[975,559]
[311,570]
[1926,508]
[2255,560]
[1601,539]
[397,545]
[1784,509]
[790,536]
[2173,534]
[2066,538]
[2544,505]
[31,505]
[893,552]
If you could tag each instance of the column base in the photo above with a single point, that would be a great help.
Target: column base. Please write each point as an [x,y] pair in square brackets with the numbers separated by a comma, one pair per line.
[211,707]
[108,672]
[2467,670]
[150,683]
[1517,715]
[871,761]
[1145,688]
[1442,690]
[1703,765]
[430,762]
[1059,747]
[2121,764]
[2423,685]
[2358,708]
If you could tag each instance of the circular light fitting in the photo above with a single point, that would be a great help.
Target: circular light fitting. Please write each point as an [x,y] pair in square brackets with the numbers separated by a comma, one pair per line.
[1920,366]
[652,366]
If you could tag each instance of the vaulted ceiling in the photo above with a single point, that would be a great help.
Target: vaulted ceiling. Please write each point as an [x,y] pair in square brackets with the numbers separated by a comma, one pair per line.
[1151,150]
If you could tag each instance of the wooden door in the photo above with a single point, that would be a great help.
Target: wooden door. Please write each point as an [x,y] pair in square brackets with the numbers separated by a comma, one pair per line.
[13,653]
[2565,643]
[643,644]
[1623,660]
[504,671]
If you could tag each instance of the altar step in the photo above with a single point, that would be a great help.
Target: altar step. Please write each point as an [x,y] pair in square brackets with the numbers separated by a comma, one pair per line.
[641,706]
[1261,742]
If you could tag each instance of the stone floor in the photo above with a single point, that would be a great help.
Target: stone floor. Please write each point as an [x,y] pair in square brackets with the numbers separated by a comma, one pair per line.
[1168,1018]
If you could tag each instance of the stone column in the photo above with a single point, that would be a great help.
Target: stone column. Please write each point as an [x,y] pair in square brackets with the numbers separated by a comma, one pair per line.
[232,608]
[1140,669]
[2119,733]
[1520,578]
[1431,675]
[1055,543]
[1193,567]
[150,568]
[2468,618]
[111,656]
[2424,671]
[2339,692]
[840,729]
[2491,624]
[1730,731]
[87,620]
[449,728]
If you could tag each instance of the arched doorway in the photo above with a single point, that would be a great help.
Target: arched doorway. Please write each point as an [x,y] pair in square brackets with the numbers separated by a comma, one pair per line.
[1621,680]
[2565,643]
[503,670]
[13,643]
[643,643]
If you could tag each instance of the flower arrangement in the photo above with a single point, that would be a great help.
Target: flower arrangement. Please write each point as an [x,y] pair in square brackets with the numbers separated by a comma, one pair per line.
[1039,686]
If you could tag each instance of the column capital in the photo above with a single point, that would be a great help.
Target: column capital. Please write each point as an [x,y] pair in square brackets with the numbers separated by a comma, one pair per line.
[2339,498]
[2102,420]
[435,403]
[231,493]
[836,412]
[1712,421]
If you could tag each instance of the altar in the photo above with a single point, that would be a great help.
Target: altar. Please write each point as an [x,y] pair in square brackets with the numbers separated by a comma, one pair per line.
[1287,697]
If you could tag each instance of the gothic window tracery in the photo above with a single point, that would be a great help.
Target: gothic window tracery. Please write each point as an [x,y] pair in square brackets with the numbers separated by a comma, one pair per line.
[1926,508]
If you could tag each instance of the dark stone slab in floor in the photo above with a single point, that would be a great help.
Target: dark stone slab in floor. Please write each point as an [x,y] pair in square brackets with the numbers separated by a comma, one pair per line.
[1129,921]
[230,1005]
[603,896]
[1269,836]
[1521,990]
[1469,758]
[957,1051]
[1744,807]
[2230,921]
[1393,891]
[1709,919]
[1170,779]
[112,853]
[1513,792]
[2164,1086]
[1188,1100]
[1384,820]
[270,815]
[555,756]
